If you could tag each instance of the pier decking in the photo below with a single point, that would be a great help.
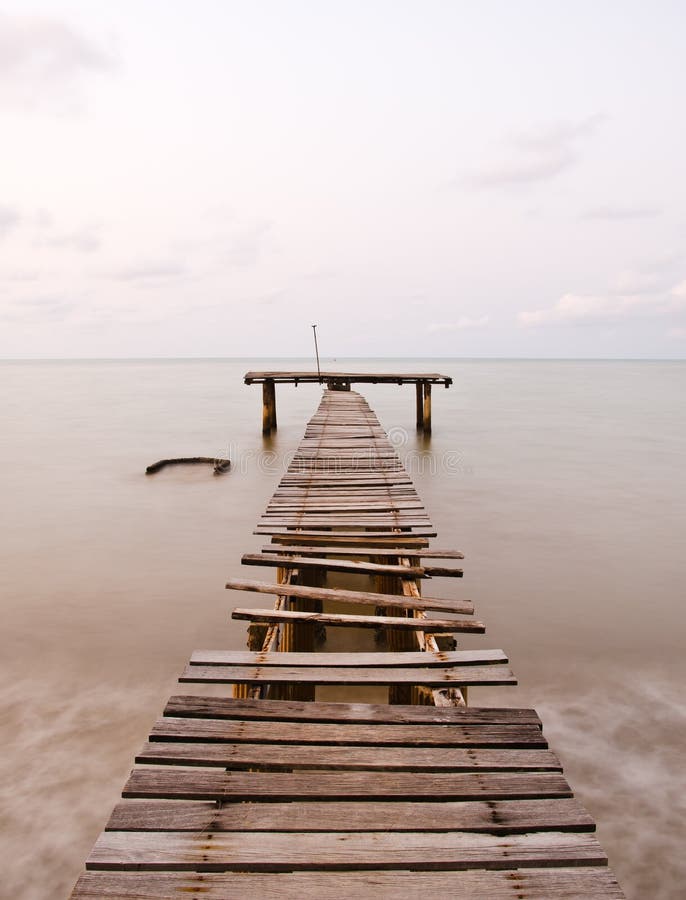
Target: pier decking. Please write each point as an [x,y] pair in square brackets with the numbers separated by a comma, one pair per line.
[273,792]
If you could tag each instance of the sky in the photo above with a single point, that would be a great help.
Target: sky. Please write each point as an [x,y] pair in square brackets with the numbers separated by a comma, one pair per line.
[420,179]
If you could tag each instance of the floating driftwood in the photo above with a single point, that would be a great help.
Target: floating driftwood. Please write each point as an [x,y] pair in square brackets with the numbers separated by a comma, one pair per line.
[220,465]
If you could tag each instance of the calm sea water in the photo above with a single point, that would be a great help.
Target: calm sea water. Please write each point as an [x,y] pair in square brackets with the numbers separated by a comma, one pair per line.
[562,482]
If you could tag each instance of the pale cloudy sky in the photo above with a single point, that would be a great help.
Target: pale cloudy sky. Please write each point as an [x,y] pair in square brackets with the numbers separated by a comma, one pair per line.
[435,178]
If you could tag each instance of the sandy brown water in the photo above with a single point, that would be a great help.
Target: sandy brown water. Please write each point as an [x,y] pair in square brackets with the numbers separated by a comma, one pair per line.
[562,482]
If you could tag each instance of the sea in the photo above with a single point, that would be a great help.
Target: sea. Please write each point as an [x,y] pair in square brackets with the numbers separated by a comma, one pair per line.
[562,481]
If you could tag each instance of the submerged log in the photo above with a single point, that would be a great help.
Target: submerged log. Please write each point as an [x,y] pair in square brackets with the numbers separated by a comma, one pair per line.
[220,465]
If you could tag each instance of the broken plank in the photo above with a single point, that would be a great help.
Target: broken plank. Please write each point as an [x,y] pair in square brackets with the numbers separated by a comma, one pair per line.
[355,568]
[433,626]
[367,598]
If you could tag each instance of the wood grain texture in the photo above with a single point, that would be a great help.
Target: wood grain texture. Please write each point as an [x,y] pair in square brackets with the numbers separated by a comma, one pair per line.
[287,757]
[418,734]
[350,675]
[332,565]
[567,883]
[365,598]
[347,713]
[342,550]
[205,784]
[259,658]
[440,626]
[493,816]
[221,851]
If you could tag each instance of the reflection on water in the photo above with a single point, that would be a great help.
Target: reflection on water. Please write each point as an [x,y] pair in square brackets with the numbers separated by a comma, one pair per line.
[561,481]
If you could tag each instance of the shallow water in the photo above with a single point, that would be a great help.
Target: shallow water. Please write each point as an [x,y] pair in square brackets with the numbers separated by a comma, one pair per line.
[561,481]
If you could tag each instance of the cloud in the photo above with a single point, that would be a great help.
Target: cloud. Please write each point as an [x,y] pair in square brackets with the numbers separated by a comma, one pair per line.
[83,240]
[579,309]
[620,213]
[41,308]
[464,322]
[679,290]
[9,220]
[560,134]
[246,245]
[19,276]
[632,282]
[539,155]
[42,60]
[147,271]
[524,171]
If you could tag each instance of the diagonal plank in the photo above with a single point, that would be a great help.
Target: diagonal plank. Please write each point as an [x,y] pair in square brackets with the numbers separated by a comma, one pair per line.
[366,598]
[333,565]
[434,626]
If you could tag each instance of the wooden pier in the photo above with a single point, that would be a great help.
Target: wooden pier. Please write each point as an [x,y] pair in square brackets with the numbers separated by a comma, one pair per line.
[341,381]
[274,792]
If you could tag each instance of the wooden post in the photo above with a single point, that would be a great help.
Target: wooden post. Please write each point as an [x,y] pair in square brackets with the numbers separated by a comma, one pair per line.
[268,406]
[427,407]
[420,404]
[397,641]
[256,636]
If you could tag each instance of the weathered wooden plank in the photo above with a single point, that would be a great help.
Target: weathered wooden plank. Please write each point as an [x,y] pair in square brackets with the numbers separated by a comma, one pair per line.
[350,377]
[208,784]
[314,522]
[568,883]
[290,531]
[365,660]
[365,598]
[340,480]
[360,551]
[286,757]
[348,713]
[418,734]
[564,883]
[494,817]
[351,539]
[354,568]
[220,851]
[430,676]
[434,626]
[442,572]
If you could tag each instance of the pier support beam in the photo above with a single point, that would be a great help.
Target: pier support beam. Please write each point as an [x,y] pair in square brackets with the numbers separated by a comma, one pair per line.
[427,407]
[420,404]
[268,406]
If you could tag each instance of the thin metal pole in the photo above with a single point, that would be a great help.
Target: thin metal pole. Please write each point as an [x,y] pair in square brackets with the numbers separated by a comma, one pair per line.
[316,350]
